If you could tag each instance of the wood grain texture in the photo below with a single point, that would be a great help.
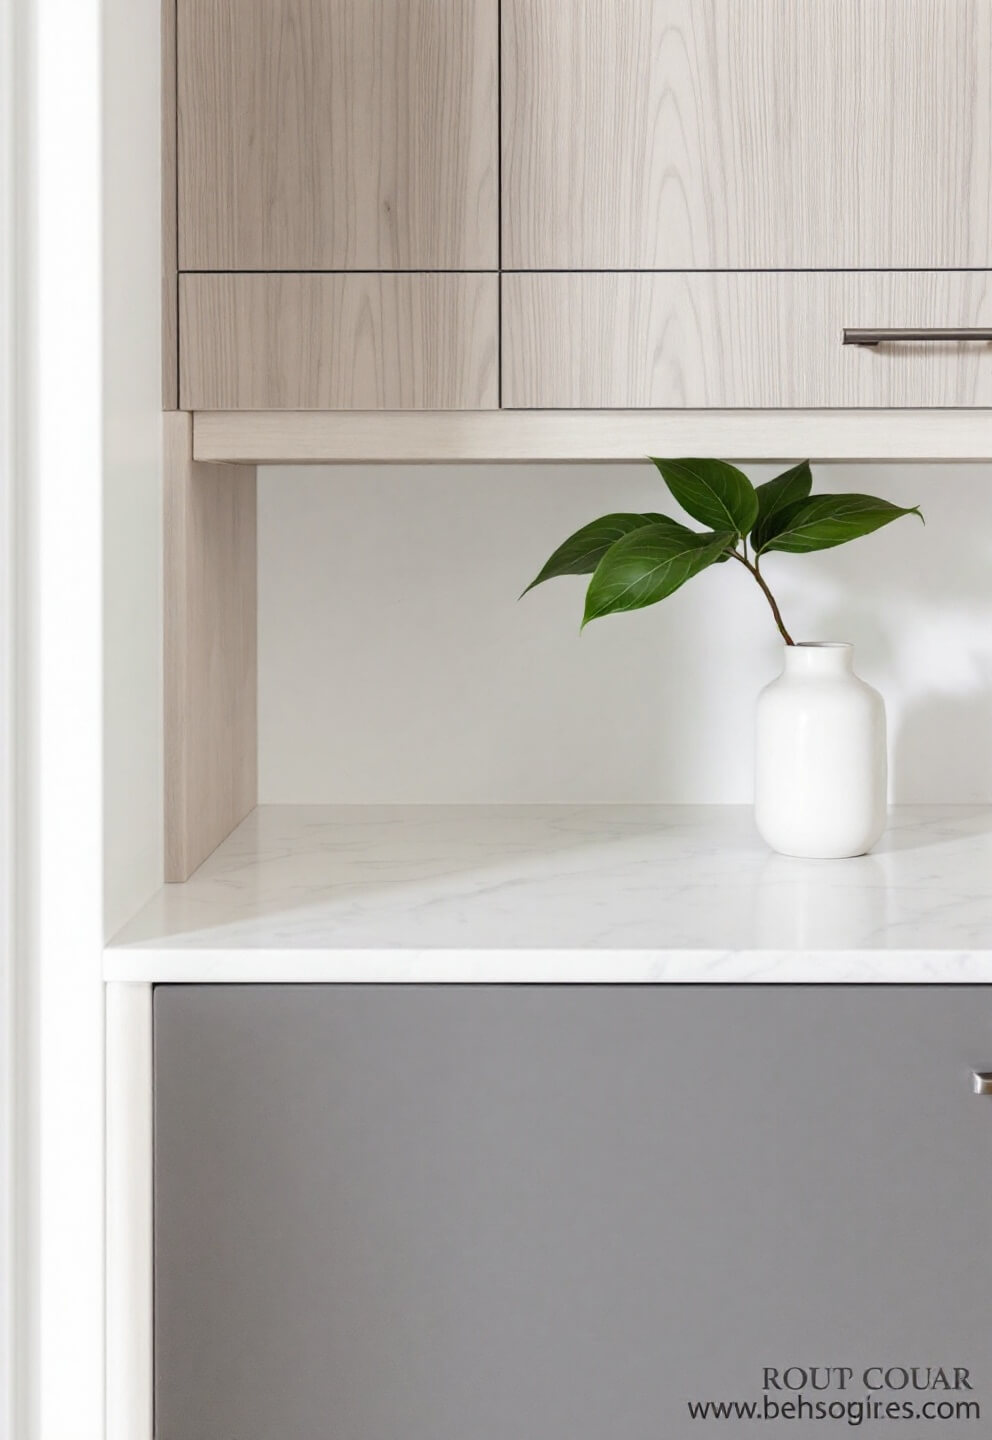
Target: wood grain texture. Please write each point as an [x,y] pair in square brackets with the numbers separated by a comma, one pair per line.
[170,217]
[748,340]
[211,727]
[338,134]
[689,134]
[320,438]
[331,342]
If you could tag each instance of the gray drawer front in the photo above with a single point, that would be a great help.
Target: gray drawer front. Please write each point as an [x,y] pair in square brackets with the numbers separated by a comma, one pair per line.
[470,1213]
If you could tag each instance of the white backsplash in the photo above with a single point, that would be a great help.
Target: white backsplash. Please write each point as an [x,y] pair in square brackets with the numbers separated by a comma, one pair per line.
[396,666]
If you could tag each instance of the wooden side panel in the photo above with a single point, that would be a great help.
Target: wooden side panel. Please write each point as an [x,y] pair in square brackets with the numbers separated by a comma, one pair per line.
[211,727]
[170,218]
[340,342]
[338,134]
[746,340]
[695,134]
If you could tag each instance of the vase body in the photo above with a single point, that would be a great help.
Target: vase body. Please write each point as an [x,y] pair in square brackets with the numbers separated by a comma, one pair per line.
[820,761]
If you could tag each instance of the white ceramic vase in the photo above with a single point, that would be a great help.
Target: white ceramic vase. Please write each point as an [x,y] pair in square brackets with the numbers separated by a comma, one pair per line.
[820,763]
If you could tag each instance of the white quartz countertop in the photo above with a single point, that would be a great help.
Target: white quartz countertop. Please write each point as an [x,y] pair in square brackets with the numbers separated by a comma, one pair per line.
[567,894]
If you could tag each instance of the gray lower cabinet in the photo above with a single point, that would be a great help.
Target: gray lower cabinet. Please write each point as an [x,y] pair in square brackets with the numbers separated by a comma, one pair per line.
[488,1213]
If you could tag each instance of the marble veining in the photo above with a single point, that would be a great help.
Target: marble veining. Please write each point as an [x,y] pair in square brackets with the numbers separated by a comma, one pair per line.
[568,893]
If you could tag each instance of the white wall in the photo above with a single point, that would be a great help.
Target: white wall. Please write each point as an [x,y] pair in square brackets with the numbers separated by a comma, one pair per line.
[132,428]
[86,104]
[397,666]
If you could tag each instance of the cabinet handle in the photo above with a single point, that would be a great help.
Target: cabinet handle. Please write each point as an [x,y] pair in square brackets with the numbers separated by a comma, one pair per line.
[924,337]
[981,1082]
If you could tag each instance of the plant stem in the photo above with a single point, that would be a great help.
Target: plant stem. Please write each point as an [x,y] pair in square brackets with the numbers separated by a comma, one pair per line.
[736,555]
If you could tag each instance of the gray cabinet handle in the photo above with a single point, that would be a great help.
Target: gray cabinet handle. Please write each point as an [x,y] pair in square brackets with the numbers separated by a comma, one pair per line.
[924,337]
[981,1082]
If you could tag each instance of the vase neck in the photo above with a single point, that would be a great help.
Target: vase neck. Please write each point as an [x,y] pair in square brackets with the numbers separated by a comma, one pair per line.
[819,660]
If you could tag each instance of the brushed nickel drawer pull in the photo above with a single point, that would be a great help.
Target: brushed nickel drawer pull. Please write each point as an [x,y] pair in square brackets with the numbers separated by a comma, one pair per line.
[883,337]
[981,1082]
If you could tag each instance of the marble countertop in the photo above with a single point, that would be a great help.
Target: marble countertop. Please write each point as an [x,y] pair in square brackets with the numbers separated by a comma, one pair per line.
[567,894]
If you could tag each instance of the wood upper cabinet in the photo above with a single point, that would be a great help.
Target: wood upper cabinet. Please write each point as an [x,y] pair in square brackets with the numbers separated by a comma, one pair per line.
[337,134]
[339,342]
[746,134]
[744,179]
[743,340]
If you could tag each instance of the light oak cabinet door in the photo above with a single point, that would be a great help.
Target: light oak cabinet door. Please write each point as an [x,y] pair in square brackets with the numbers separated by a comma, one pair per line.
[746,134]
[339,342]
[337,134]
[744,340]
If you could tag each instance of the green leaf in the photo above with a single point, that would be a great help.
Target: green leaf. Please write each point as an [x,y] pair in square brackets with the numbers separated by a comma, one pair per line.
[582,552]
[650,564]
[712,492]
[827,520]
[775,497]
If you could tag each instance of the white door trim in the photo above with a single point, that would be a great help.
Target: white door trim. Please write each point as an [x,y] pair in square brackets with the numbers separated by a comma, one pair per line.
[60,1012]
[130,1412]
[9,1169]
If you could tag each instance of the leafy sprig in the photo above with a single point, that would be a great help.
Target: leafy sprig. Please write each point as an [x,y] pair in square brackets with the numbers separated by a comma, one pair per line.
[638,559]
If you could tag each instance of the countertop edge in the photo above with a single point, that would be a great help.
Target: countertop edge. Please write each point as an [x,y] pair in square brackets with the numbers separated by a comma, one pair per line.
[137,964]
